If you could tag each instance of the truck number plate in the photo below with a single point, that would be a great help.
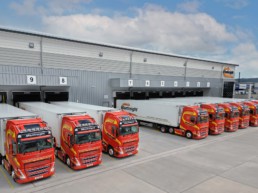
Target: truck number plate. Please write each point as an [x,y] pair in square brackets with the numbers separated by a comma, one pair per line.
[89,165]
[38,177]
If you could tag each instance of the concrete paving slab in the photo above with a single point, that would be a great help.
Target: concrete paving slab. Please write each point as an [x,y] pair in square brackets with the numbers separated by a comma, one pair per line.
[109,182]
[218,157]
[169,174]
[221,185]
[246,173]
[153,141]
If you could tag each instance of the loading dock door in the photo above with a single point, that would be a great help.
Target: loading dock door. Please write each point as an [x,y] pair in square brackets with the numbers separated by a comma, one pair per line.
[154,94]
[3,97]
[55,96]
[228,89]
[25,97]
[121,95]
[199,93]
[168,94]
[139,95]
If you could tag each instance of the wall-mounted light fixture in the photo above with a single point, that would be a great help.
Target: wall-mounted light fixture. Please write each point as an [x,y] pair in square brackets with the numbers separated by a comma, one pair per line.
[144,59]
[31,45]
[101,54]
[212,67]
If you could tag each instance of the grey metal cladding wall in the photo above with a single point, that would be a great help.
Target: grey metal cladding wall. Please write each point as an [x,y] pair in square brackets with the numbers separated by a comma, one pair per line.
[84,63]
[19,57]
[192,72]
[4,69]
[139,68]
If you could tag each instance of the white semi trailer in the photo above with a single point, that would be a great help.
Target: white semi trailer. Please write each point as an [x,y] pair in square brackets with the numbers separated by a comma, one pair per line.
[178,118]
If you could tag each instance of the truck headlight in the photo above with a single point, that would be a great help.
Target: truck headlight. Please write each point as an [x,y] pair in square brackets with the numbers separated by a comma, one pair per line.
[76,162]
[52,168]
[20,175]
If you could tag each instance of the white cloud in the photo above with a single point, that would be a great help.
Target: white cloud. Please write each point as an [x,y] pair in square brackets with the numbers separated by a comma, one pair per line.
[246,55]
[152,27]
[189,6]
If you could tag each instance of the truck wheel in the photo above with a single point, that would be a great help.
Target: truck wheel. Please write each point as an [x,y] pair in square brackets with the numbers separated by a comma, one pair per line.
[163,129]
[188,135]
[1,160]
[13,174]
[171,130]
[110,151]
[68,162]
[56,153]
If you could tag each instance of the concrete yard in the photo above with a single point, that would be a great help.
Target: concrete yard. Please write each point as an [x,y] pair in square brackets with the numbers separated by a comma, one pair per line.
[227,163]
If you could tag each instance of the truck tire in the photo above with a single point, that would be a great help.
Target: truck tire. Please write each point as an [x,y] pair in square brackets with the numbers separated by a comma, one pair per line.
[13,174]
[189,135]
[1,159]
[171,130]
[68,162]
[163,129]
[110,151]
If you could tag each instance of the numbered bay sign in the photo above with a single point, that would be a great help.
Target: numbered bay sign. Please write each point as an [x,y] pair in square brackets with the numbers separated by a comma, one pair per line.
[63,80]
[130,83]
[162,83]
[31,79]
[147,83]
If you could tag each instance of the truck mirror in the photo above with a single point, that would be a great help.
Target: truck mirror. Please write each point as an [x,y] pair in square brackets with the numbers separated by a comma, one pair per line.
[72,140]
[14,148]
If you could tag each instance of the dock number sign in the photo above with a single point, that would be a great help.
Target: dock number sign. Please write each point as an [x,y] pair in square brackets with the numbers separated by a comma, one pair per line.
[31,79]
[63,80]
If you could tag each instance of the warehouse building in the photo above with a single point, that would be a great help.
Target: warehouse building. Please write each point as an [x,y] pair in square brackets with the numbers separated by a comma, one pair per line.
[36,66]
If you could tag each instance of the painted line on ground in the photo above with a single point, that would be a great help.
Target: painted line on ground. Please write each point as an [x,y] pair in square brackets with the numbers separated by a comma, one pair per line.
[6,178]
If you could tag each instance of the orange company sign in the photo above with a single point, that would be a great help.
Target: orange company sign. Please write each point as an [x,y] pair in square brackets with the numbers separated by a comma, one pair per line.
[228,72]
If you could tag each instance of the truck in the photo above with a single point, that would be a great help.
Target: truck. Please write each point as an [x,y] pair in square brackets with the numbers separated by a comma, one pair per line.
[78,136]
[26,145]
[216,113]
[253,106]
[231,117]
[244,114]
[120,130]
[176,118]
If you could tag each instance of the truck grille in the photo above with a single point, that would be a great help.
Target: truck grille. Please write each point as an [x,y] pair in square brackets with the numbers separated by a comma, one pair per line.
[221,128]
[246,123]
[38,168]
[204,131]
[89,160]
[235,126]
[129,149]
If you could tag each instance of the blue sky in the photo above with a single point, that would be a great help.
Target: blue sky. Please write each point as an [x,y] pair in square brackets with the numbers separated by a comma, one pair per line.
[223,30]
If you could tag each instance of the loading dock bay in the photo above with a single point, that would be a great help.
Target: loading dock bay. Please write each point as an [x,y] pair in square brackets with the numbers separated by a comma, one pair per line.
[165,163]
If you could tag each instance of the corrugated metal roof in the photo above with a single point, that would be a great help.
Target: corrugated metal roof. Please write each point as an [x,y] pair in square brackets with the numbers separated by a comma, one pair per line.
[46,35]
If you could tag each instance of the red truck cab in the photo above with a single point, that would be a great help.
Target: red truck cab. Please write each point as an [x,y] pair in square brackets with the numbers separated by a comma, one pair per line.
[231,117]
[193,123]
[80,140]
[216,118]
[253,106]
[120,134]
[29,150]
[244,114]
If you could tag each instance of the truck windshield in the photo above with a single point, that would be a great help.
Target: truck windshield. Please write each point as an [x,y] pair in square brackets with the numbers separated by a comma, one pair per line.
[220,116]
[202,119]
[35,145]
[87,137]
[245,112]
[234,114]
[126,130]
